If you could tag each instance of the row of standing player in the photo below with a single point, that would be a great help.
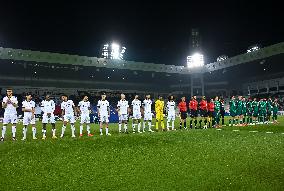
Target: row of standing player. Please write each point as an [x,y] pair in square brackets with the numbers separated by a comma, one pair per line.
[242,111]
[69,111]
[210,113]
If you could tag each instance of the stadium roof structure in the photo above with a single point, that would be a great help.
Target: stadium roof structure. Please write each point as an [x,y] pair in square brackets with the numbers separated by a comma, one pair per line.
[65,59]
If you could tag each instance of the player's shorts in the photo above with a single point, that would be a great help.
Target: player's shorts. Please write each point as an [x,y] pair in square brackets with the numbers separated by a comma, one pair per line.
[46,119]
[85,118]
[104,119]
[69,118]
[210,113]
[193,113]
[274,113]
[255,114]
[239,112]
[123,117]
[183,114]
[249,113]
[148,116]
[10,118]
[171,116]
[203,113]
[233,113]
[268,113]
[160,116]
[28,119]
[261,113]
[137,115]
[217,114]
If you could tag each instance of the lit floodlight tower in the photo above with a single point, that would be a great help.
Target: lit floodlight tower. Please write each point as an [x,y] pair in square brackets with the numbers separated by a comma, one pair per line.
[253,48]
[113,51]
[222,57]
[195,60]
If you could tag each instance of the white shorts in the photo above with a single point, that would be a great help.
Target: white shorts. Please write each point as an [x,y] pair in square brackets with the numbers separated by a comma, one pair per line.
[46,119]
[10,118]
[104,118]
[123,117]
[69,118]
[148,116]
[171,116]
[85,118]
[28,120]
[137,115]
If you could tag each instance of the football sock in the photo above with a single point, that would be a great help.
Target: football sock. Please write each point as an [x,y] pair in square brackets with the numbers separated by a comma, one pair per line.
[14,131]
[3,131]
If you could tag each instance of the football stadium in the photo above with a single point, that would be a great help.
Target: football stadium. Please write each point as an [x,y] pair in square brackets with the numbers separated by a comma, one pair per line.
[71,120]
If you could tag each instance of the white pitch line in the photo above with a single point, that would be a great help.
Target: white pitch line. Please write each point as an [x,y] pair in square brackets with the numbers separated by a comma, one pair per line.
[236,130]
[269,132]
[282,133]
[253,131]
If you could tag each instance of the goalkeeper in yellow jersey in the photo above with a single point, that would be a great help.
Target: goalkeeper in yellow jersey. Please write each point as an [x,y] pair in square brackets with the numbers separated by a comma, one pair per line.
[159,109]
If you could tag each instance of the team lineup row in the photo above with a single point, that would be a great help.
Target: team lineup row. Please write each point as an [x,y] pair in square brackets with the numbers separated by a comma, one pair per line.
[256,112]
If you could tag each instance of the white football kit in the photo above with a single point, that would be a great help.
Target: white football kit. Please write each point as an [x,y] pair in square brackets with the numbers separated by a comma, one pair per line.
[85,112]
[29,118]
[136,104]
[10,114]
[48,108]
[103,106]
[171,110]
[147,103]
[123,107]
[67,106]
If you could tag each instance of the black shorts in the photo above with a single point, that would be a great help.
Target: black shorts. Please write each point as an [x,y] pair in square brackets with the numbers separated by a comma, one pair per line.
[203,113]
[210,113]
[183,114]
[193,113]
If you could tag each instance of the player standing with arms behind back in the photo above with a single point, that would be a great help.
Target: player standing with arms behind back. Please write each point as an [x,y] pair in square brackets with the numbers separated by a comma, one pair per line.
[84,108]
[203,112]
[68,114]
[171,111]
[28,107]
[159,109]
[136,112]
[48,107]
[147,111]
[103,114]
[123,111]
[10,104]
[193,104]
[182,112]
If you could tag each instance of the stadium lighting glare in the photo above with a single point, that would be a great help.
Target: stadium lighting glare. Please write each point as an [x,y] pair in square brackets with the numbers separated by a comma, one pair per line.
[196,60]
[113,51]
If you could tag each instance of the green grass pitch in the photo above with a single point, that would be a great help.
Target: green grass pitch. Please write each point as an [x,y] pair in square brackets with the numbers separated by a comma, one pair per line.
[177,160]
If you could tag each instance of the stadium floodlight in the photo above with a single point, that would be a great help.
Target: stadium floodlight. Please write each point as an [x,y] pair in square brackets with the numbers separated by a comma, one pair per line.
[113,51]
[195,60]
[253,48]
[222,57]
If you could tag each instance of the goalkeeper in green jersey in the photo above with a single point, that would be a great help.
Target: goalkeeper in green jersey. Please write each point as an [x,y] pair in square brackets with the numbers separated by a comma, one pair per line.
[249,111]
[269,110]
[255,108]
[217,108]
[239,109]
[275,107]
[233,111]
[262,110]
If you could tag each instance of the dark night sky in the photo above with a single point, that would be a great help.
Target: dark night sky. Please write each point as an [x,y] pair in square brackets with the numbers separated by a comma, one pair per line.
[152,32]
